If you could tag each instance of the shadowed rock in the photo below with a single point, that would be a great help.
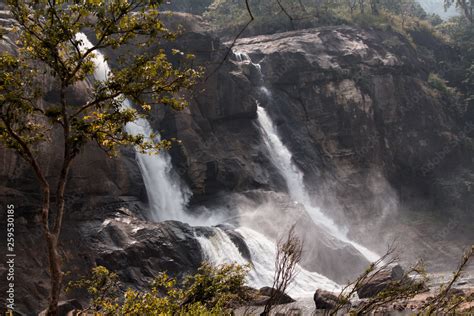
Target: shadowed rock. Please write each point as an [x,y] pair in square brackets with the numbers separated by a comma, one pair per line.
[324,300]
[380,281]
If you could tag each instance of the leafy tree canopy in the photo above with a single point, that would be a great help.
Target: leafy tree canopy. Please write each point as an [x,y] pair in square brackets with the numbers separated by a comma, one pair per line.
[47,41]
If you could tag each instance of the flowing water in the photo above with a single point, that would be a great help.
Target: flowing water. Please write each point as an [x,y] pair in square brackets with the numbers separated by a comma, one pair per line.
[220,249]
[167,196]
[282,159]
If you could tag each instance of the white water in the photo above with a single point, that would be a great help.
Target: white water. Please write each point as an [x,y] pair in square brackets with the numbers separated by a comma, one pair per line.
[167,196]
[220,249]
[282,159]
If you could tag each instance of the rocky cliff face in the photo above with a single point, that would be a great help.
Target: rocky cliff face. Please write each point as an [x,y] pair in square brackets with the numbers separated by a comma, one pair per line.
[354,107]
[378,144]
[348,102]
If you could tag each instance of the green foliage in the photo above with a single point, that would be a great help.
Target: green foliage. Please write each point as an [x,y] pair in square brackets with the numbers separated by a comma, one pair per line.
[216,286]
[103,286]
[47,44]
[49,55]
[16,89]
[194,7]
[440,84]
[211,291]
[460,32]
[230,13]
[404,7]
[224,13]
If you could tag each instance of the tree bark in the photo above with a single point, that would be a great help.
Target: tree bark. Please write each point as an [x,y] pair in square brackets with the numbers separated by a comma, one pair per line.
[362,6]
[56,275]
[468,8]
[374,7]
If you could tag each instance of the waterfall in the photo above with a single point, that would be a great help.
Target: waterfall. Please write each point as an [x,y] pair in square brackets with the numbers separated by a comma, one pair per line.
[282,159]
[167,196]
[219,249]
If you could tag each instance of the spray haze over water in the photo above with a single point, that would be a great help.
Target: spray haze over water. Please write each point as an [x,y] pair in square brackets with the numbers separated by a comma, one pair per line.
[219,249]
[281,157]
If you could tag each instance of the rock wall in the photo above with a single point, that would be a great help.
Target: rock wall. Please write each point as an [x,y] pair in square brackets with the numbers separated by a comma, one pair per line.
[379,145]
[347,101]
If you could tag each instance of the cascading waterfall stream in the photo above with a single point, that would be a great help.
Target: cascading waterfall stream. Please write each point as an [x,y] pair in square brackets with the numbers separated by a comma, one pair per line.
[282,159]
[219,249]
[167,196]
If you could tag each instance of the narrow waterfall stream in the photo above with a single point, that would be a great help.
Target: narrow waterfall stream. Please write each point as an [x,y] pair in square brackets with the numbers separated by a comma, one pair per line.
[167,196]
[282,159]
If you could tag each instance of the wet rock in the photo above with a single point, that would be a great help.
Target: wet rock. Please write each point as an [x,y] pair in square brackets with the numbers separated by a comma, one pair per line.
[283,297]
[260,297]
[275,213]
[238,240]
[325,300]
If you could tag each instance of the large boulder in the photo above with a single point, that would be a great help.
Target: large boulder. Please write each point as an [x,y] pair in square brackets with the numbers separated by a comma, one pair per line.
[380,281]
[325,300]
[283,298]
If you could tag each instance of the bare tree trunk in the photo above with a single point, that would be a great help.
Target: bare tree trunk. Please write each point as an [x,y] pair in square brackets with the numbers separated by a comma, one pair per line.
[52,236]
[52,239]
[54,260]
[56,275]
[374,7]
[362,6]
[51,243]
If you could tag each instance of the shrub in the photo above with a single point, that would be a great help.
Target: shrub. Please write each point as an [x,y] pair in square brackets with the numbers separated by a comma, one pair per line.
[213,290]
[440,84]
